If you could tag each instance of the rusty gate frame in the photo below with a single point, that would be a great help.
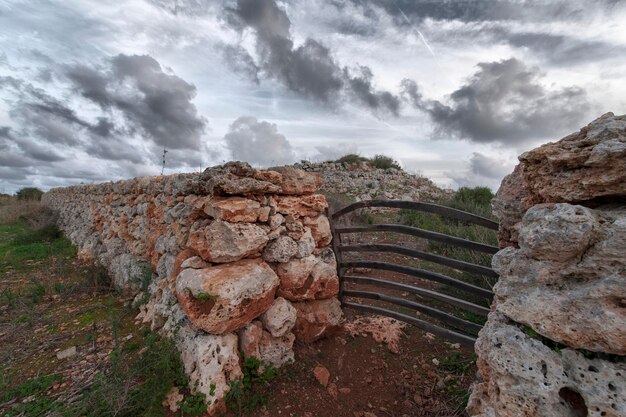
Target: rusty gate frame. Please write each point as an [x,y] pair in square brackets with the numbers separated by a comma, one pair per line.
[453,321]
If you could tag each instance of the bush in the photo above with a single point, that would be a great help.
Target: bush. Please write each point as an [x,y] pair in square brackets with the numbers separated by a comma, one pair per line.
[351,158]
[384,162]
[29,193]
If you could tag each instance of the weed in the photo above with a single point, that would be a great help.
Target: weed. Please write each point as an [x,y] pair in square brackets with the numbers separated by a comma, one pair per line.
[351,159]
[203,296]
[8,296]
[384,162]
[244,395]
[194,405]
[38,405]
[37,291]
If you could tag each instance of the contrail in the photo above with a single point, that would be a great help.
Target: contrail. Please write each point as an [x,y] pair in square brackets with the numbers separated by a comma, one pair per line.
[420,35]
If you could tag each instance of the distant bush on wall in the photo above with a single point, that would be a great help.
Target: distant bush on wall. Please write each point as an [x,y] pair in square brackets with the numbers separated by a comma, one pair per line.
[378,161]
[29,193]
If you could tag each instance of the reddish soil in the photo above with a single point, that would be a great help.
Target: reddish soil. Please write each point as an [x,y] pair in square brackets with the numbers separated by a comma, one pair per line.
[428,377]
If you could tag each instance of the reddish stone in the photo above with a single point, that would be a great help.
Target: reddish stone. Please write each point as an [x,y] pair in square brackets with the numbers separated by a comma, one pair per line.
[317,319]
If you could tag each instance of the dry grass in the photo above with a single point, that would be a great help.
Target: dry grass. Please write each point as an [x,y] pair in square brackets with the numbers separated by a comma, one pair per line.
[13,210]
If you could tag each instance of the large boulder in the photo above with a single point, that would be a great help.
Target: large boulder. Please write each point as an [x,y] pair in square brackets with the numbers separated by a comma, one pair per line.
[522,377]
[222,241]
[280,318]
[309,278]
[223,298]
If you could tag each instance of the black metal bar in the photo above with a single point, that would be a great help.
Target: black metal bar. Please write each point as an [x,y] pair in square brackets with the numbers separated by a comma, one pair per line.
[426,234]
[466,305]
[421,273]
[425,207]
[401,250]
[433,312]
[436,330]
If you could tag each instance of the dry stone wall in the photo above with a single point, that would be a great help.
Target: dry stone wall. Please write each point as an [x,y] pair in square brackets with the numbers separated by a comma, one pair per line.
[555,343]
[232,262]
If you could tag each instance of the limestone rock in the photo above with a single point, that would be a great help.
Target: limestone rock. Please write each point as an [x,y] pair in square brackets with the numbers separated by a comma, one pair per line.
[556,232]
[195,262]
[279,318]
[322,375]
[211,362]
[227,242]
[260,344]
[309,278]
[316,319]
[280,250]
[277,351]
[306,244]
[523,377]
[223,298]
[320,229]
[570,285]
[311,205]
[250,339]
[234,209]
[297,181]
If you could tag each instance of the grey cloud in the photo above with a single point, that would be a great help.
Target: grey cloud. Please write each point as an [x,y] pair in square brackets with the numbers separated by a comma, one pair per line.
[240,61]
[490,10]
[157,103]
[482,171]
[331,153]
[505,102]
[258,142]
[309,69]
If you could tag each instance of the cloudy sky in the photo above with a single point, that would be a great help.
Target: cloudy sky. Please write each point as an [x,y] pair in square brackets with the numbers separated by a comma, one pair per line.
[455,90]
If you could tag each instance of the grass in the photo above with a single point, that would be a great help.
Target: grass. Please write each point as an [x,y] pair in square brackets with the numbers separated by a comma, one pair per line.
[39,405]
[21,247]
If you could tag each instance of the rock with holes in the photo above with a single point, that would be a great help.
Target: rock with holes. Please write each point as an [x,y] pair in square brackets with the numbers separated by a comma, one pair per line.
[524,377]
[222,241]
[254,342]
[223,298]
[310,278]
[568,278]
[280,249]
[211,362]
[280,318]
[311,206]
[317,319]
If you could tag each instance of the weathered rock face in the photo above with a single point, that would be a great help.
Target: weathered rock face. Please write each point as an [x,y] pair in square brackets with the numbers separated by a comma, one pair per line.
[204,250]
[556,343]
[225,297]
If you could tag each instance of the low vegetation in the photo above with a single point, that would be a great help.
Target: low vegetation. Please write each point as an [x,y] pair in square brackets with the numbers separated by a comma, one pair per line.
[378,161]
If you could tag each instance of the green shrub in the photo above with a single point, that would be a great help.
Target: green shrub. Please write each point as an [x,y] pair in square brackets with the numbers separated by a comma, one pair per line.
[244,396]
[351,158]
[384,162]
[29,193]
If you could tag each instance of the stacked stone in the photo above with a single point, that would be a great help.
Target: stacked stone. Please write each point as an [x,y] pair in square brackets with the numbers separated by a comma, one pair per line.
[555,343]
[365,182]
[233,262]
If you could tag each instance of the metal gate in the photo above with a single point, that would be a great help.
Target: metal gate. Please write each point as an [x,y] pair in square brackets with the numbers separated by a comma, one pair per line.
[433,303]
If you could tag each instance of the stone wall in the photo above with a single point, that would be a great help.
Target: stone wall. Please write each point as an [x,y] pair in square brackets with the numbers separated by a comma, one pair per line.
[362,181]
[230,263]
[555,343]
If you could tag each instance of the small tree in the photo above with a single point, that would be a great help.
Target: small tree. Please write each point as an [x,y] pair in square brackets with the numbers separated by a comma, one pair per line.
[29,193]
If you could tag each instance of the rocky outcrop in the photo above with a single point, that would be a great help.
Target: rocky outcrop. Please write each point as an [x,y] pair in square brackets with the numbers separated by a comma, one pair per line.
[207,252]
[362,181]
[555,344]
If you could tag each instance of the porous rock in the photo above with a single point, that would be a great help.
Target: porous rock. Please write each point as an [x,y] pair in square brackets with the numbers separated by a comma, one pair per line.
[523,377]
[279,318]
[224,298]
[309,278]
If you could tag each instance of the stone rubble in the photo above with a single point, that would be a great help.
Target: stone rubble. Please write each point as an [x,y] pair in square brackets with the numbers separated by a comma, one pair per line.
[211,252]
[555,342]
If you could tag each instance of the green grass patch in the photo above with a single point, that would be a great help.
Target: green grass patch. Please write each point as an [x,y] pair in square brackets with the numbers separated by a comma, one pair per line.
[39,405]
[21,247]
[245,395]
